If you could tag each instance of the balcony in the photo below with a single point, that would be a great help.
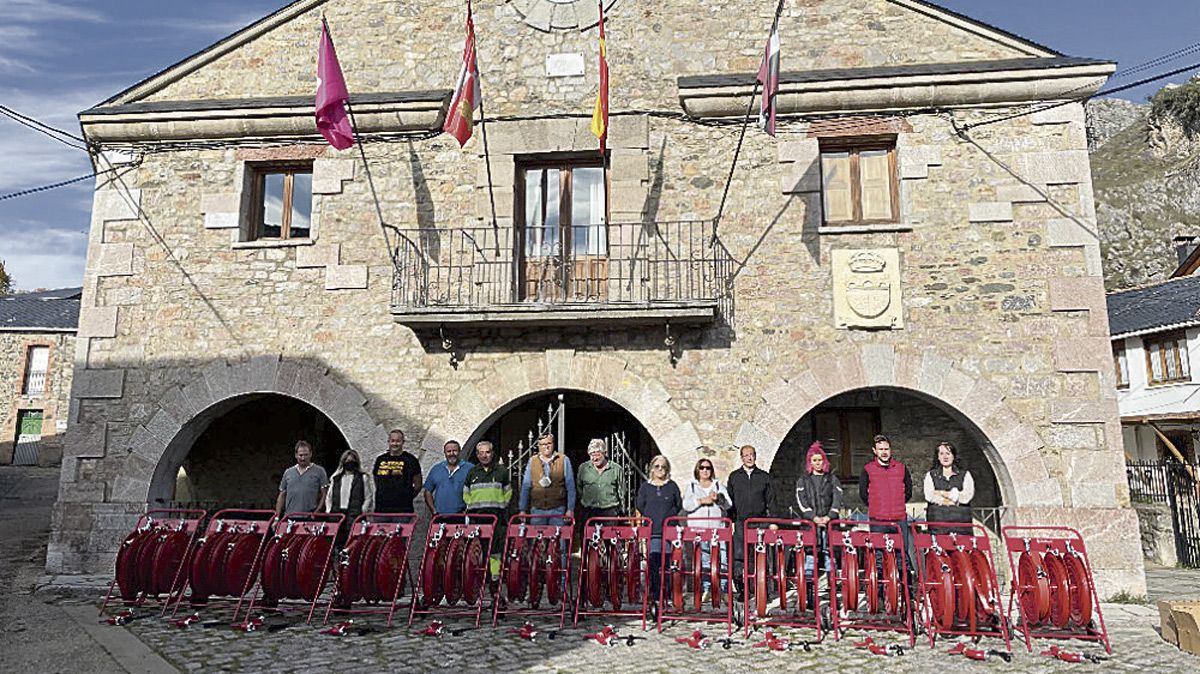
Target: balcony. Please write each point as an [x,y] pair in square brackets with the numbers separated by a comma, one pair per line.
[616,274]
[35,384]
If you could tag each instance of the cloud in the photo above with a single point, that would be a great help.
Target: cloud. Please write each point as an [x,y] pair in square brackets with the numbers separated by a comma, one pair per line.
[44,160]
[24,37]
[43,258]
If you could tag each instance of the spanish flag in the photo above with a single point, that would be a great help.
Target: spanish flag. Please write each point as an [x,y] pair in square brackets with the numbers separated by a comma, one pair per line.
[600,113]
[460,118]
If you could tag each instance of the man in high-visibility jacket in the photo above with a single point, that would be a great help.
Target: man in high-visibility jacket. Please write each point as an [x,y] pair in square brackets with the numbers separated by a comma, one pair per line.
[488,491]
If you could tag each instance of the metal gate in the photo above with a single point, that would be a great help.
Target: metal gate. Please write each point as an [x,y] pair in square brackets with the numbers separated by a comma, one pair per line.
[1183,495]
[554,420]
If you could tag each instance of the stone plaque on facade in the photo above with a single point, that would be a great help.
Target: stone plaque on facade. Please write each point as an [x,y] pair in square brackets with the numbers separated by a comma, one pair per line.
[564,65]
[866,289]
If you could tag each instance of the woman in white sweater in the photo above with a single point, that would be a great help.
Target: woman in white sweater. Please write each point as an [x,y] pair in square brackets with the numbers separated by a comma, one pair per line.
[705,501]
[949,489]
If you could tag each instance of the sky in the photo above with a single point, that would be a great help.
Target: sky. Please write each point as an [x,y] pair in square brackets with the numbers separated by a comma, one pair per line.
[59,57]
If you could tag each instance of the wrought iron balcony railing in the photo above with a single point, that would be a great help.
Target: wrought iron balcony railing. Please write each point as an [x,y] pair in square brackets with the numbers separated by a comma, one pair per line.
[644,271]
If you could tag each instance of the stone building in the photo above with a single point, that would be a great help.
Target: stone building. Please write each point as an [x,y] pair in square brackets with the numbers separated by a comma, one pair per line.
[37,356]
[882,265]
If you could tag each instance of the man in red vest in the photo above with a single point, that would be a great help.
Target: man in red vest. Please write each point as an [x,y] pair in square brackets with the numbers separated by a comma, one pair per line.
[885,486]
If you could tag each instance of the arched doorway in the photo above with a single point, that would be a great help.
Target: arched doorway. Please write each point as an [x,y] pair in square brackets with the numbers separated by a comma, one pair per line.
[241,449]
[515,427]
[914,422]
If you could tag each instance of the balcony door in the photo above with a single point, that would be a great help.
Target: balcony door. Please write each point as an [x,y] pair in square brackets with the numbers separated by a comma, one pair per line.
[562,217]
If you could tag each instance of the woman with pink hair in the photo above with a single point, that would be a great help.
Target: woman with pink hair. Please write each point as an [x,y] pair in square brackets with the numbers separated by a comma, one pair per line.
[819,497]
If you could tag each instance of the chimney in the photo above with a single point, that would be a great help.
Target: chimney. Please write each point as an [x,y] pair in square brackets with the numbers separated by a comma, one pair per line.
[1184,246]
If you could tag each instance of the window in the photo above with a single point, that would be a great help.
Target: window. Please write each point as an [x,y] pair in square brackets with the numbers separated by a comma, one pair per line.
[1122,364]
[563,213]
[858,182]
[282,202]
[37,362]
[1167,358]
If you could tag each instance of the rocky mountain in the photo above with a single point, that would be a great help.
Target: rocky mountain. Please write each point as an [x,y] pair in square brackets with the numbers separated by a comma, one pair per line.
[1146,173]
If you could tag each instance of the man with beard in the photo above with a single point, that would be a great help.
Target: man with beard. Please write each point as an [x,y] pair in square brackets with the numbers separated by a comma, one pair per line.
[444,485]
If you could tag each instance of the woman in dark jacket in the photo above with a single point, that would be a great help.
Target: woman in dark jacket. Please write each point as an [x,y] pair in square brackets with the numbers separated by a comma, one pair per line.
[949,489]
[819,498]
[657,499]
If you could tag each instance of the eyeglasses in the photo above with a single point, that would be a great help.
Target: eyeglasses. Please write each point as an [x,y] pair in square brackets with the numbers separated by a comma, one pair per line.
[658,466]
[706,467]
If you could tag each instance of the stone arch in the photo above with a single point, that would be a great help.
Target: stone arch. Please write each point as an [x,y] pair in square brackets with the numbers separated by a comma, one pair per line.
[1015,446]
[158,447]
[516,377]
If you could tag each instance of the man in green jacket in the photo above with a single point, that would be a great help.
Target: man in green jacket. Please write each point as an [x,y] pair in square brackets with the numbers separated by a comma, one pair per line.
[600,485]
[488,491]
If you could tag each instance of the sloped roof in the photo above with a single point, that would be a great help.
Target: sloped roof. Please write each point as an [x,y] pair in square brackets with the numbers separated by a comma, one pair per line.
[173,73]
[52,310]
[1170,304]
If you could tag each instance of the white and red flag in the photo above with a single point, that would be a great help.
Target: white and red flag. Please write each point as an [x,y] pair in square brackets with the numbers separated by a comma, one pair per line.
[460,118]
[768,75]
[332,96]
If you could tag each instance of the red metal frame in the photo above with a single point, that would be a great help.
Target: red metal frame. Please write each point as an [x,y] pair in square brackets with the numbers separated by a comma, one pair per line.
[299,525]
[970,540]
[384,527]
[256,522]
[1064,542]
[788,536]
[855,535]
[607,532]
[460,526]
[519,540]
[681,532]
[165,520]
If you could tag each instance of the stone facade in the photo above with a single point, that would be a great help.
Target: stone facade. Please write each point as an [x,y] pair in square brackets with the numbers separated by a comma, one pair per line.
[1003,307]
[52,403]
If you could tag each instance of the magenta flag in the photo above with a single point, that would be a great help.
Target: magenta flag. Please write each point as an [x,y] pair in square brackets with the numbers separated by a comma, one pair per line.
[332,96]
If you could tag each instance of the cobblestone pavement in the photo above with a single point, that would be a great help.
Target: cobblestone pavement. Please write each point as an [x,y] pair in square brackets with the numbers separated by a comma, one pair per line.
[1136,644]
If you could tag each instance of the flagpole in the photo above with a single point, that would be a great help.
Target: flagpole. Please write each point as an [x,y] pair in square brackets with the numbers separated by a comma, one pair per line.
[487,155]
[387,240]
[741,138]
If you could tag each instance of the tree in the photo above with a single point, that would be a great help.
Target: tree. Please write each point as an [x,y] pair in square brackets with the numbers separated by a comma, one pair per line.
[6,281]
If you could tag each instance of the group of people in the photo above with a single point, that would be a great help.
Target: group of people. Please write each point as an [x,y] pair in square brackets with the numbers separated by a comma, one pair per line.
[550,489]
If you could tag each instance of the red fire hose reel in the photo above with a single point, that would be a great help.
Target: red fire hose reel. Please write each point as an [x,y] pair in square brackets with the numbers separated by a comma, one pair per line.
[867,581]
[613,574]
[152,559]
[781,561]
[684,574]
[1052,586]
[371,572]
[958,591]
[535,574]
[297,562]
[454,565]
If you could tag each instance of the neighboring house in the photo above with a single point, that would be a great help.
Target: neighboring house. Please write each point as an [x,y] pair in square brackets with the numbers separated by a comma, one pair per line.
[1156,351]
[37,354]
[881,266]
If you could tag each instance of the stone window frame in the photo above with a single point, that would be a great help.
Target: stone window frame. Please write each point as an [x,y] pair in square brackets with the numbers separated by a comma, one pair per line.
[24,371]
[854,145]
[1170,343]
[250,222]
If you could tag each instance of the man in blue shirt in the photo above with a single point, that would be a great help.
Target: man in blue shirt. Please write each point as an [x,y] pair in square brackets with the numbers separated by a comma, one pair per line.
[444,484]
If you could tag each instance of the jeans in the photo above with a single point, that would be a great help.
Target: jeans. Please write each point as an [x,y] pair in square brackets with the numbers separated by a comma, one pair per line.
[549,517]
[910,554]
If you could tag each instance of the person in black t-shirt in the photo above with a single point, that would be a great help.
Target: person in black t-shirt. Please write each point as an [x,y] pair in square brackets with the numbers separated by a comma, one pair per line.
[397,476]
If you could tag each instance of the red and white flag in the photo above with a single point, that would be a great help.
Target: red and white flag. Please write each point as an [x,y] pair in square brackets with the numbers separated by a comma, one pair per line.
[460,118]
[332,96]
[768,75]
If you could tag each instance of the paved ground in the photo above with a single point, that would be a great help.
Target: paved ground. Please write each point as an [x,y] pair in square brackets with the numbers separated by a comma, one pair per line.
[49,632]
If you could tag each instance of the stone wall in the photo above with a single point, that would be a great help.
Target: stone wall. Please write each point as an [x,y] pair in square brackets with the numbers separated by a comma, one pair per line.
[1158,533]
[14,347]
[1003,305]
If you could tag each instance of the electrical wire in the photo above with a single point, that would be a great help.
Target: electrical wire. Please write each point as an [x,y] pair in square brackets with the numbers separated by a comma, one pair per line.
[52,186]
[45,129]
